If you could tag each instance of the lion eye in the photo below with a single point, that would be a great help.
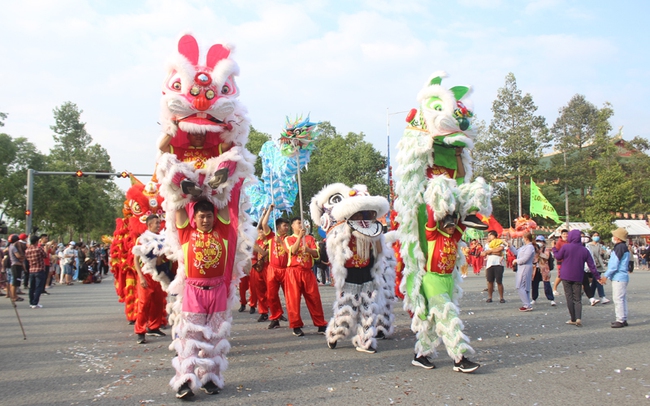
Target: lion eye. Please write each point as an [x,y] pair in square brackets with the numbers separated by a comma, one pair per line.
[335,199]
[225,89]
[434,103]
[176,85]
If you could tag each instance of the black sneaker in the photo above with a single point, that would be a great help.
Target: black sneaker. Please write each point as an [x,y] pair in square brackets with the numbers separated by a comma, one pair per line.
[448,221]
[422,362]
[274,324]
[156,333]
[625,323]
[210,388]
[252,310]
[263,317]
[297,332]
[184,391]
[322,330]
[283,318]
[618,324]
[220,177]
[465,366]
[132,322]
[368,350]
[242,308]
[46,292]
[141,339]
[472,221]
[331,346]
[190,188]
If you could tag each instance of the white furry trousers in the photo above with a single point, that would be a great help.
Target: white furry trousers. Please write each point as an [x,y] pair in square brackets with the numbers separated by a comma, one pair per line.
[355,311]
[201,347]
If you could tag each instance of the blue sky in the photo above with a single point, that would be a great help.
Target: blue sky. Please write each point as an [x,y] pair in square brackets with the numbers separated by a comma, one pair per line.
[342,61]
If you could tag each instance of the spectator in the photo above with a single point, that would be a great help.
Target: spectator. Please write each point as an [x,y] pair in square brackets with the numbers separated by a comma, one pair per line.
[617,272]
[69,256]
[494,264]
[37,273]
[17,257]
[574,257]
[525,256]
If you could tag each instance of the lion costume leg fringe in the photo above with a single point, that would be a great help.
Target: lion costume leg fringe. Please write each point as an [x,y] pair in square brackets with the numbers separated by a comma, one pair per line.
[442,326]
[201,347]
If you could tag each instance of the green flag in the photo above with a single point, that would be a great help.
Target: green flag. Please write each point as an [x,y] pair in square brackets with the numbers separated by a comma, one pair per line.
[539,205]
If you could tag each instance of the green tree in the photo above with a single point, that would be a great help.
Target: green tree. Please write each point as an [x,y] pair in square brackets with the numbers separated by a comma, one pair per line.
[613,192]
[514,140]
[255,141]
[637,168]
[580,136]
[348,159]
[3,117]
[87,206]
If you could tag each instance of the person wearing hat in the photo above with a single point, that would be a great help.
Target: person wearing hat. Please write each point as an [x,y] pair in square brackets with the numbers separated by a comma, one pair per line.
[22,243]
[17,258]
[67,260]
[542,272]
[617,272]
[596,253]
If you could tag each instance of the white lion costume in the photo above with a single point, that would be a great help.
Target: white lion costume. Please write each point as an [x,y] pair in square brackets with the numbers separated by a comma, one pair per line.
[434,190]
[363,266]
[199,99]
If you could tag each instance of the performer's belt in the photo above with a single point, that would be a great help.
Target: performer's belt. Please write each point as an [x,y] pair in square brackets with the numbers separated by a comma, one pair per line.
[206,287]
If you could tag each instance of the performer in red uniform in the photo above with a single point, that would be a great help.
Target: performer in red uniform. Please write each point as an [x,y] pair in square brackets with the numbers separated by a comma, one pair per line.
[300,279]
[202,350]
[150,307]
[258,276]
[278,261]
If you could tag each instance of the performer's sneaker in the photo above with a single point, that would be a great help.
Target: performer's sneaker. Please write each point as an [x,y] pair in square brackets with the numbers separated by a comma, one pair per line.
[132,322]
[465,366]
[422,362]
[283,318]
[210,388]
[331,346]
[252,310]
[263,317]
[274,324]
[298,332]
[322,330]
[184,391]
[190,188]
[141,339]
[368,350]
[220,177]
[472,221]
[242,308]
[156,333]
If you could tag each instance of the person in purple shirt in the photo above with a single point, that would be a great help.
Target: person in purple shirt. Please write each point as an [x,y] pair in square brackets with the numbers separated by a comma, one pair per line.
[574,257]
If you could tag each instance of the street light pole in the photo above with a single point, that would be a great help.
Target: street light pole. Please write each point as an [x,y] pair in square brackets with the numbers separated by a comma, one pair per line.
[388,171]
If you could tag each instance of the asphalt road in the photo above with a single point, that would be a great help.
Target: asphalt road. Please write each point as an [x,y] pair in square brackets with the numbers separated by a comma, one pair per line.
[80,351]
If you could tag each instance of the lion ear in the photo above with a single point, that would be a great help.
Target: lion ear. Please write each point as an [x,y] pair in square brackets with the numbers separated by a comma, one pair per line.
[459,91]
[435,81]
[325,221]
[189,48]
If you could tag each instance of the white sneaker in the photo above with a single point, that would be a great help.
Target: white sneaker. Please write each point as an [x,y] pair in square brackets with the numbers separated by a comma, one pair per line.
[553,303]
[604,300]
[593,301]
[555,292]
[532,302]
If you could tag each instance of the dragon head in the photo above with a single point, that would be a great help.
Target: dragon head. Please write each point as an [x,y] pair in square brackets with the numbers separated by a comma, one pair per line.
[338,203]
[298,134]
[441,110]
[200,95]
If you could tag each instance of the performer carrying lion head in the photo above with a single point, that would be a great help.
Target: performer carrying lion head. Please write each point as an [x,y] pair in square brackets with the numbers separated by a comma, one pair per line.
[202,168]
[436,201]
[363,266]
